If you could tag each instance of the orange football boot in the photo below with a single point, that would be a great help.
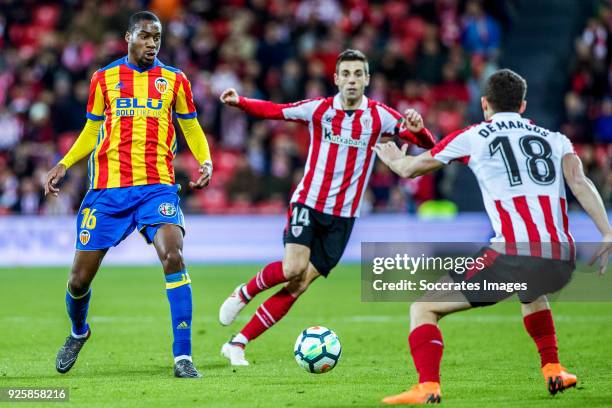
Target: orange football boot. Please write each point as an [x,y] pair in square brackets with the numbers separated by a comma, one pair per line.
[422,393]
[557,378]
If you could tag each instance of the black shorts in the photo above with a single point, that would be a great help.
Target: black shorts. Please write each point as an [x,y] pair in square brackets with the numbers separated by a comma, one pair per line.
[531,277]
[326,235]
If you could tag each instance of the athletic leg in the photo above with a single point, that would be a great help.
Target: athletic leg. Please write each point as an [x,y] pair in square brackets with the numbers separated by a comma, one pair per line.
[271,275]
[277,305]
[539,323]
[168,242]
[78,291]
[426,344]
[78,294]
[298,237]
[300,274]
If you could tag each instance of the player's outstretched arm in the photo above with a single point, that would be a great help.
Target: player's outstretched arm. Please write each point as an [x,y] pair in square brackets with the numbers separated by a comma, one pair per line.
[254,107]
[589,198]
[406,166]
[83,146]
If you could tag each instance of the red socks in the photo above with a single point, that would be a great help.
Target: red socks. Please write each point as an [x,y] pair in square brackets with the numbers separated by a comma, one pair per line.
[541,328]
[271,275]
[270,312]
[426,344]
[426,347]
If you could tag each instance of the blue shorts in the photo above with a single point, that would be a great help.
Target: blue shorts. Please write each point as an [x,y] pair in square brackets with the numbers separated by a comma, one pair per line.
[107,216]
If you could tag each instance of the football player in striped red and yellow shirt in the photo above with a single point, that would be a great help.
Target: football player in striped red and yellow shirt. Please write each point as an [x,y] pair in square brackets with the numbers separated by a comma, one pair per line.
[131,141]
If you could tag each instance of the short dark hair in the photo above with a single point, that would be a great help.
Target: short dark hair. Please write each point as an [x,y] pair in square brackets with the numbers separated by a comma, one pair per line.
[353,55]
[141,16]
[505,91]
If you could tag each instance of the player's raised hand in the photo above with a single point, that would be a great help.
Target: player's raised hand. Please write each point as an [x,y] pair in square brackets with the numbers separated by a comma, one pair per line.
[603,254]
[230,97]
[414,121]
[55,175]
[206,171]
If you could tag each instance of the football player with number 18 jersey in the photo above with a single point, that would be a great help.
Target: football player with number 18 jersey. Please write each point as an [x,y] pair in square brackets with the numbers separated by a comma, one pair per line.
[522,170]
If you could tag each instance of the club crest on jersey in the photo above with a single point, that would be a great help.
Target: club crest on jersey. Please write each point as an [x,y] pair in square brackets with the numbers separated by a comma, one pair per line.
[296,230]
[327,118]
[84,237]
[366,122]
[161,85]
[167,209]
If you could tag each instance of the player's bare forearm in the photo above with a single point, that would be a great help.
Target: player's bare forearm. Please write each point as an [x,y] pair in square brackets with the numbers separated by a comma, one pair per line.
[585,192]
[589,198]
[406,166]
[415,166]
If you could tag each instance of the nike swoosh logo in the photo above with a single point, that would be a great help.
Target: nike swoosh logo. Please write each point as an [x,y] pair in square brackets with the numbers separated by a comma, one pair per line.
[63,365]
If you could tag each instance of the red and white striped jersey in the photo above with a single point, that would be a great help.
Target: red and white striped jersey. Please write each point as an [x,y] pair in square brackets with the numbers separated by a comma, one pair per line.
[518,167]
[340,156]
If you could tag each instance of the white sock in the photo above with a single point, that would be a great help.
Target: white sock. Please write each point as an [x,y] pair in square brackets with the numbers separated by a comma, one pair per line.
[183,357]
[239,338]
[78,336]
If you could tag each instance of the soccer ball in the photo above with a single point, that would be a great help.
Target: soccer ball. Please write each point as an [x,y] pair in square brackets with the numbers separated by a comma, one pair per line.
[317,349]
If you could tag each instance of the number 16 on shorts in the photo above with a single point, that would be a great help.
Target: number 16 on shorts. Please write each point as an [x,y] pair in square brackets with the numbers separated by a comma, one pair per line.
[300,218]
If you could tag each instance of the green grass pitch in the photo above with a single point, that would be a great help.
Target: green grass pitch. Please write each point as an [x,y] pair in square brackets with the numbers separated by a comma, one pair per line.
[489,360]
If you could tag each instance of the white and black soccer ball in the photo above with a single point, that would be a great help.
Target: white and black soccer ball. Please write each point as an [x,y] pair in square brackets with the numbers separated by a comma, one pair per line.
[317,349]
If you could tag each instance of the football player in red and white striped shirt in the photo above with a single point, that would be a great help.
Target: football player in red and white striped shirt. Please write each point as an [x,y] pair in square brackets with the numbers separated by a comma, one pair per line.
[522,170]
[343,130]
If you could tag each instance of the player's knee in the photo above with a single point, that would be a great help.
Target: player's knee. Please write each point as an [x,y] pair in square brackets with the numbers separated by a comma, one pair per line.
[77,285]
[297,285]
[172,261]
[294,268]
[418,310]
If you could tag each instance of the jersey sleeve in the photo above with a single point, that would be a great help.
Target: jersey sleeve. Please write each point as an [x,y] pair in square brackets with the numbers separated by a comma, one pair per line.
[301,111]
[566,145]
[95,102]
[454,147]
[390,120]
[196,139]
[184,106]
[84,144]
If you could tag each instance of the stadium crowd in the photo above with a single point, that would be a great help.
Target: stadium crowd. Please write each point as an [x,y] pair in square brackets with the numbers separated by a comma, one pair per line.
[433,55]
[588,101]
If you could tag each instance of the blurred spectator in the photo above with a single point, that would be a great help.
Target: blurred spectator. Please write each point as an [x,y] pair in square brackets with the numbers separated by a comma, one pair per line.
[12,129]
[588,101]
[481,33]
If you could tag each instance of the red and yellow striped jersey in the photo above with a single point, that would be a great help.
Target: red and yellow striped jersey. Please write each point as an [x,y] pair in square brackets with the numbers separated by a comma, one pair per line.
[137,142]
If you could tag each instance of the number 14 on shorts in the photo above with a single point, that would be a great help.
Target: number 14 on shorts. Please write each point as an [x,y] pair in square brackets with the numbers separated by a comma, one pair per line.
[300,218]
